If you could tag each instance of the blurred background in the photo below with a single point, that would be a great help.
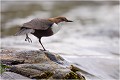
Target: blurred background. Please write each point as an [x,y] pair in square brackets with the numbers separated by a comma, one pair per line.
[91,42]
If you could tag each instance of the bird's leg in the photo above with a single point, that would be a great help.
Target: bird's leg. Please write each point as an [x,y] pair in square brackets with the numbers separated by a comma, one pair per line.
[28,39]
[42,45]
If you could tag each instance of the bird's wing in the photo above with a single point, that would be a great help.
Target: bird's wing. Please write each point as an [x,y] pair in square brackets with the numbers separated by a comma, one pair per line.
[39,24]
[23,31]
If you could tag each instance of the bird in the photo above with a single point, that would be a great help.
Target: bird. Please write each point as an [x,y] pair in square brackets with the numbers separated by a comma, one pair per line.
[41,28]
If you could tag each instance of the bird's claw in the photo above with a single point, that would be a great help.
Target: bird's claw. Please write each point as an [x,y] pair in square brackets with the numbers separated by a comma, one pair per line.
[28,39]
[42,50]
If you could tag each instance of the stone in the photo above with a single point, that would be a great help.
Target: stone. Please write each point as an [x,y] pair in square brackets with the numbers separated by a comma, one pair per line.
[36,64]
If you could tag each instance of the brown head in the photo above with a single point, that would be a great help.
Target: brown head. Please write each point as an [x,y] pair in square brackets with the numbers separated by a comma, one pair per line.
[59,19]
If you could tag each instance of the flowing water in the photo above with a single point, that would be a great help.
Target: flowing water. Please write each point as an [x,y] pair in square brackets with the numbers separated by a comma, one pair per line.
[91,42]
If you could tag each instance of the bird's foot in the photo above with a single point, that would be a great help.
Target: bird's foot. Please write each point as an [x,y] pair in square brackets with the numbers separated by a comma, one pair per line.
[28,39]
[43,50]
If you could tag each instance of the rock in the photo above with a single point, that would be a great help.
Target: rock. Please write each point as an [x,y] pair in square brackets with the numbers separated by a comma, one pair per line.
[12,76]
[36,64]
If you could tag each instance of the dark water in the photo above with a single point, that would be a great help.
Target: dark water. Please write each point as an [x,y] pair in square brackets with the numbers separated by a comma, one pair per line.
[91,42]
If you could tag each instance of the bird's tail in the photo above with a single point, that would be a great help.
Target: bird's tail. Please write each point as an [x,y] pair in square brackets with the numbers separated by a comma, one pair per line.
[23,31]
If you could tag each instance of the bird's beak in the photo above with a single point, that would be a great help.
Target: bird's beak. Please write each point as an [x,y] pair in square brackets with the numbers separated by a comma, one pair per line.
[69,21]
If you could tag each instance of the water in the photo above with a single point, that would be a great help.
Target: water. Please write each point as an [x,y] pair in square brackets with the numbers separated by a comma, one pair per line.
[91,42]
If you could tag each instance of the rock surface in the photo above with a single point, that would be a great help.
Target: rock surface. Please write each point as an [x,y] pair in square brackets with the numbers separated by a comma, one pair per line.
[36,64]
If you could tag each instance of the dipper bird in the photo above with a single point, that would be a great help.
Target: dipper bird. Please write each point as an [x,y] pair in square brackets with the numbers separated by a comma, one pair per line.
[41,28]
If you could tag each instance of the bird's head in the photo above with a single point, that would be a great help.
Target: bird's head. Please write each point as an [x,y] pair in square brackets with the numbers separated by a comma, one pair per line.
[60,19]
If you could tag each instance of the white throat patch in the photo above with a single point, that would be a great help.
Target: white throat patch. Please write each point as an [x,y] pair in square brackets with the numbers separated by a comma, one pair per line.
[55,28]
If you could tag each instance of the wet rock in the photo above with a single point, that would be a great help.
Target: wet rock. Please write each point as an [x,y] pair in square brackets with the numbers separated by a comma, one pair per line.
[36,64]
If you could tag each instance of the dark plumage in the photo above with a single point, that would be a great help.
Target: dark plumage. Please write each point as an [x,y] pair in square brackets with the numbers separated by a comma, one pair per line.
[40,28]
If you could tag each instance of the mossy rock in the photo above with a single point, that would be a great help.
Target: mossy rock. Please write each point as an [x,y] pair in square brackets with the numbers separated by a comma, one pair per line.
[73,75]
[36,64]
